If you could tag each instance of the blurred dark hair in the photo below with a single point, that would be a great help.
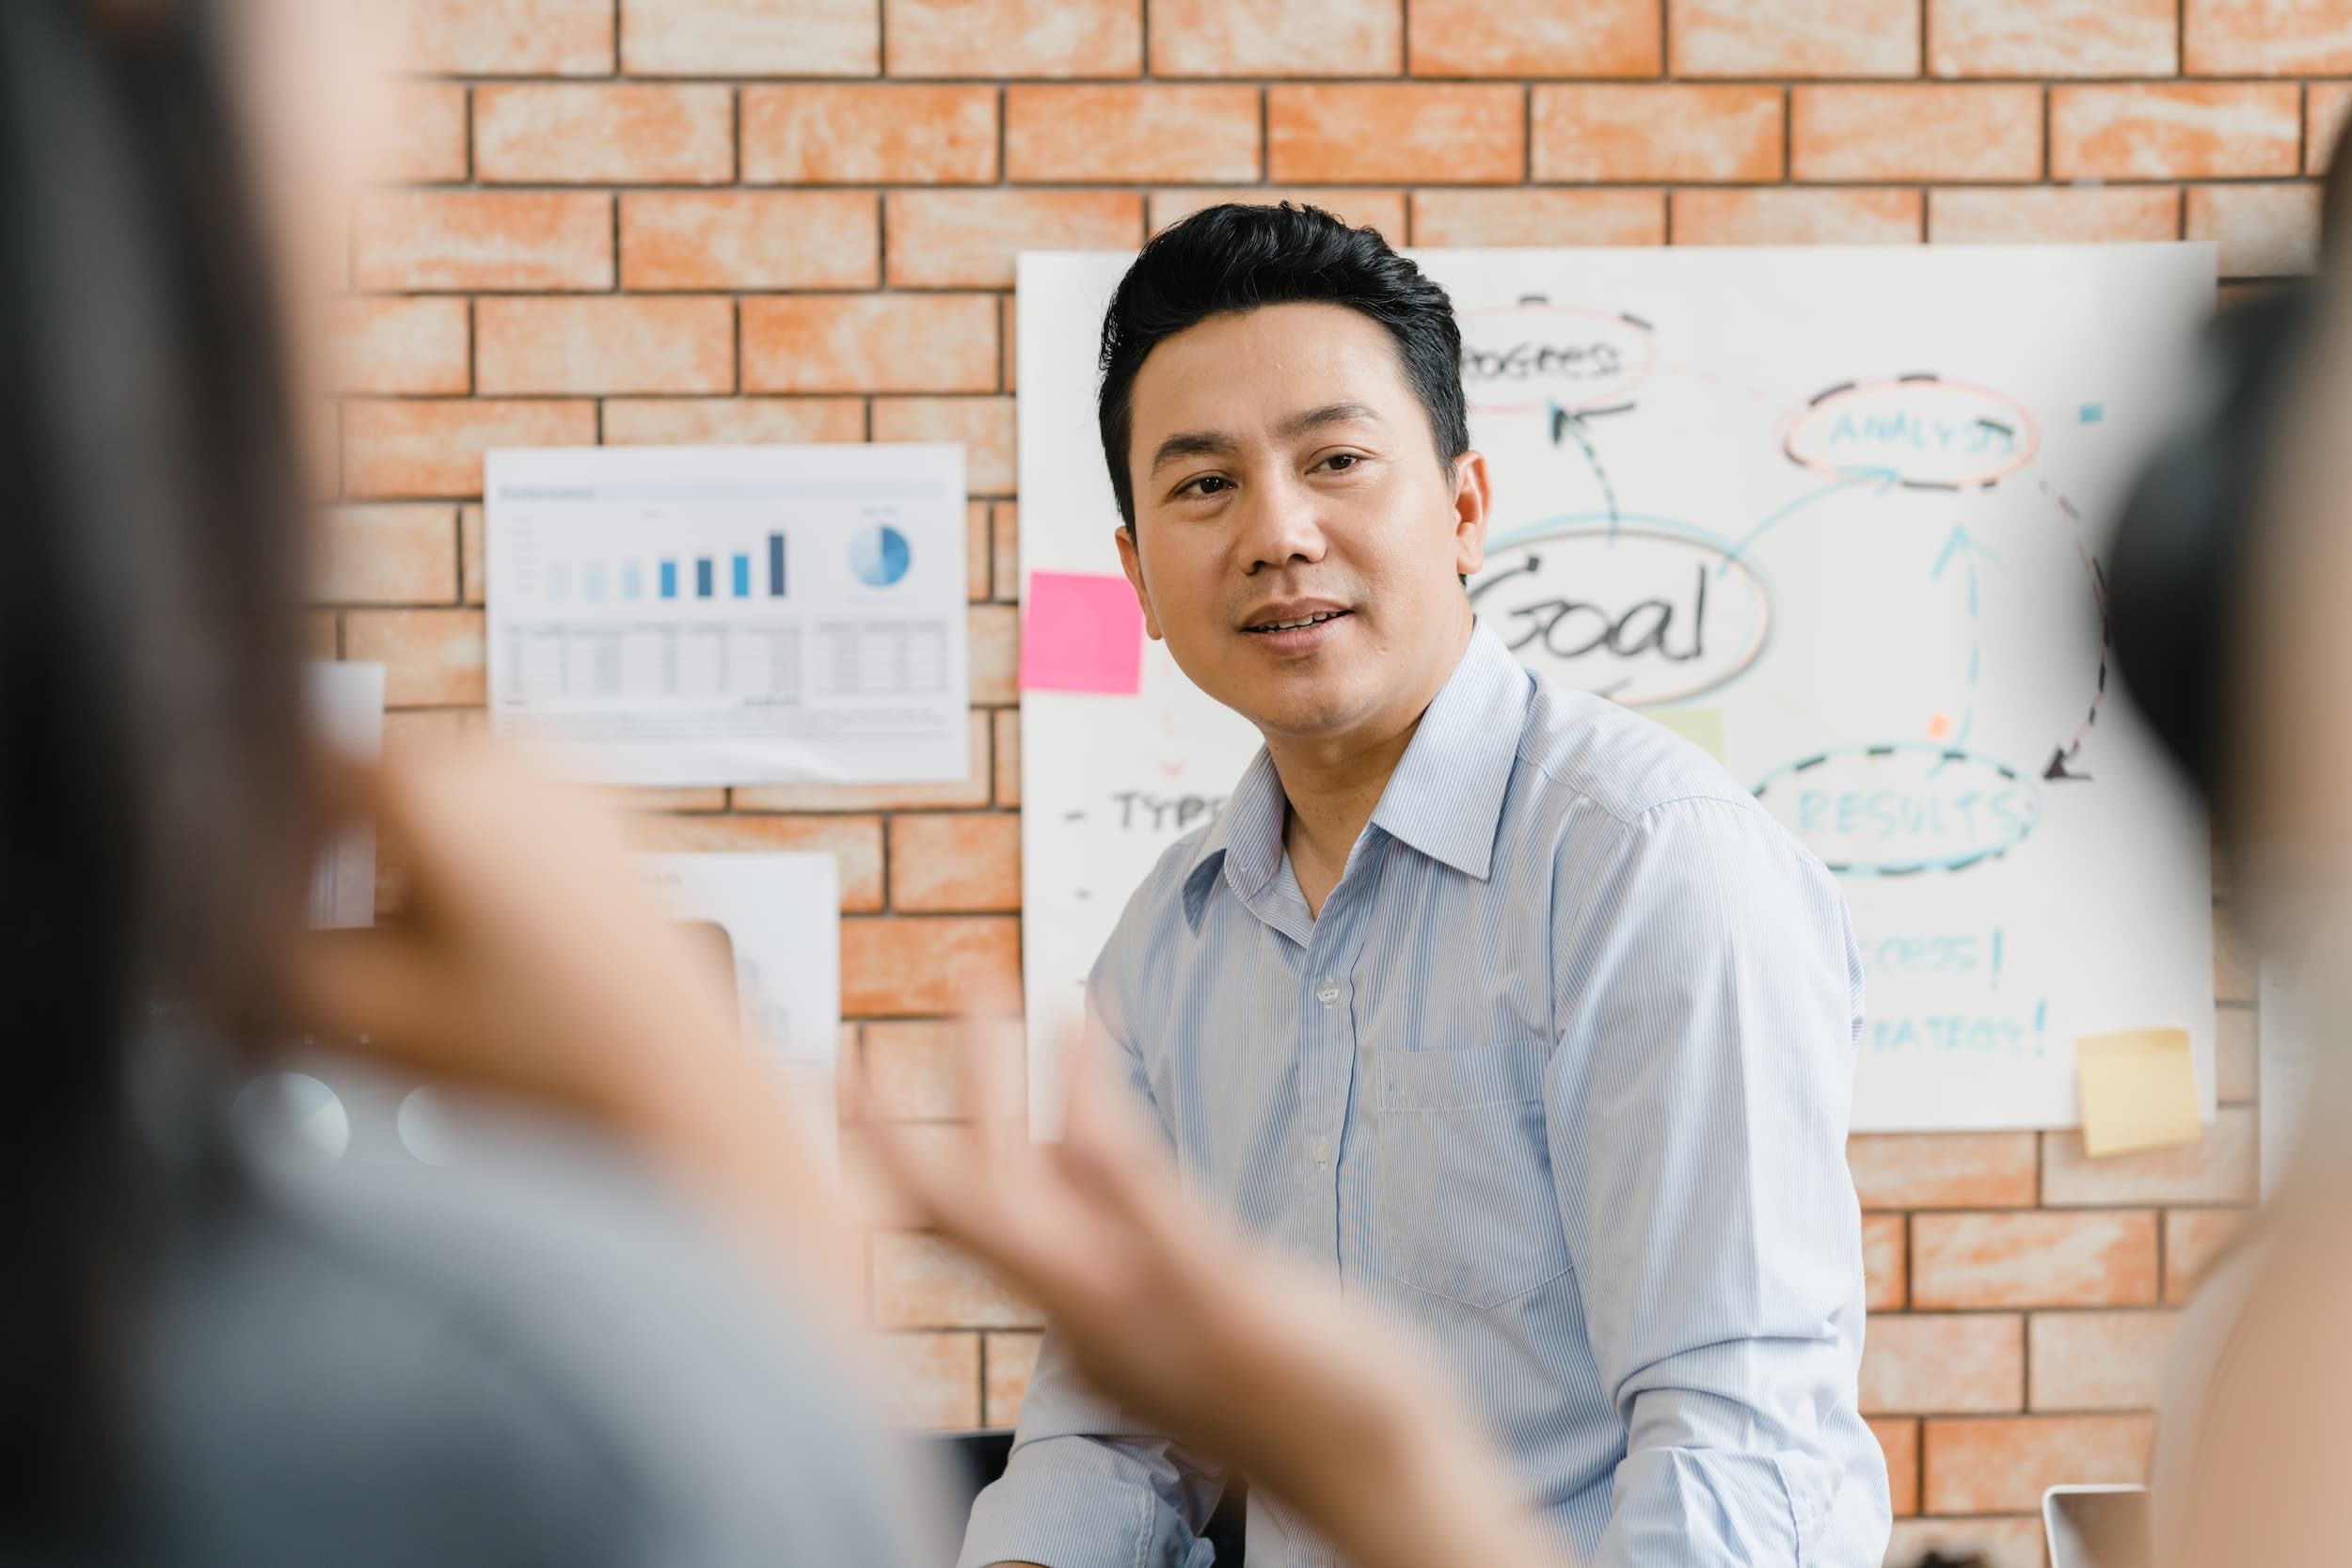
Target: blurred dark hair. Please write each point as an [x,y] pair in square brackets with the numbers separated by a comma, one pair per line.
[1235,257]
[154,805]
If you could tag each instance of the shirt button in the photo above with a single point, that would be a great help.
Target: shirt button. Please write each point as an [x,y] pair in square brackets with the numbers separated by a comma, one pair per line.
[1327,992]
[1323,1154]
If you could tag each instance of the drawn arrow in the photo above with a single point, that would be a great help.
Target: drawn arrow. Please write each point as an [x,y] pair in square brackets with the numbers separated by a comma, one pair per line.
[1565,423]
[2060,768]
[1958,545]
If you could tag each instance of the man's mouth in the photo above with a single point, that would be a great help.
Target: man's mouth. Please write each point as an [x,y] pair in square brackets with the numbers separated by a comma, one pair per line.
[1299,624]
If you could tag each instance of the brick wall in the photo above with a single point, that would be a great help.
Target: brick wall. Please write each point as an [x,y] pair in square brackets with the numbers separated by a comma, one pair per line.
[789,220]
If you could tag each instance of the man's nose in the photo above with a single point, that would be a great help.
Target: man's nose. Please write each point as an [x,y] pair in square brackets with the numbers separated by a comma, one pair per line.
[1281,526]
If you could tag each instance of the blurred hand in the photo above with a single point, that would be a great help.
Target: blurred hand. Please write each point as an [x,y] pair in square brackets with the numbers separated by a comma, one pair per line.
[531,958]
[1226,1346]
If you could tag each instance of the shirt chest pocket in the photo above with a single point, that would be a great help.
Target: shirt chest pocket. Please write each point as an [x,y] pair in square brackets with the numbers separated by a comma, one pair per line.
[1467,1211]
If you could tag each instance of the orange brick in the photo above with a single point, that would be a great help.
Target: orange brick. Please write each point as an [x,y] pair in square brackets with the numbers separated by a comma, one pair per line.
[322,635]
[1886,1261]
[1792,38]
[870,343]
[1964,1363]
[869,133]
[2263,231]
[2195,1240]
[2220,1167]
[511,37]
[920,1281]
[664,799]
[2325,107]
[1445,134]
[2265,38]
[1277,37]
[1008,1362]
[605,345]
[431,657]
[751,38]
[1923,131]
[968,239]
[1534,38]
[424,133]
[399,344]
[2175,130]
[898,965]
[855,844]
[978,573]
[1666,133]
[731,421]
[386,555]
[1795,217]
[2098,1360]
[1944,1170]
[1539,217]
[984,425]
[1898,1440]
[933,1379]
[2051,37]
[1991,1465]
[995,655]
[433,448]
[318,439]
[573,133]
[433,239]
[436,726]
[1011,372]
[2236,1056]
[969,791]
[914,1071]
[1014,37]
[2027,1259]
[2011,1543]
[1061,133]
[473,582]
[966,862]
[1009,756]
[1365,208]
[2052,214]
[750,240]
[1004,523]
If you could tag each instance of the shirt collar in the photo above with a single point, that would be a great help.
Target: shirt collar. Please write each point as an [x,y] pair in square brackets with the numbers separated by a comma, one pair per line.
[1445,797]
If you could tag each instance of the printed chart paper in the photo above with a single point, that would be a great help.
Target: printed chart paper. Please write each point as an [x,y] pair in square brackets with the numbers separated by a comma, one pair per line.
[781,917]
[347,709]
[1834,515]
[731,615]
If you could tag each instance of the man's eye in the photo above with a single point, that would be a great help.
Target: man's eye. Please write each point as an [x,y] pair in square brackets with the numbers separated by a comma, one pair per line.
[1209,484]
[1340,462]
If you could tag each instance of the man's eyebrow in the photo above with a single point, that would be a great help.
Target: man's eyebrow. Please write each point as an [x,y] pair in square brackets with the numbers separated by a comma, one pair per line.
[1299,425]
[1193,443]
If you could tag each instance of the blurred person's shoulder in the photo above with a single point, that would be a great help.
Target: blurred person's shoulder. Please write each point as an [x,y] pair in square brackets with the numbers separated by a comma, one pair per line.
[540,1356]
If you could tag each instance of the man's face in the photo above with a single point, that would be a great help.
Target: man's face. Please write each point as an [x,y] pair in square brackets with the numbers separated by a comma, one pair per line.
[1297,541]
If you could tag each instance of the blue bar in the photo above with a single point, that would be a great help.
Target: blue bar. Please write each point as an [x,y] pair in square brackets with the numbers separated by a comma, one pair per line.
[742,577]
[702,576]
[669,579]
[632,581]
[775,565]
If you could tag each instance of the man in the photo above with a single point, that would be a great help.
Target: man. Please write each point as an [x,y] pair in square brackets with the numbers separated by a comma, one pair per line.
[1509,1007]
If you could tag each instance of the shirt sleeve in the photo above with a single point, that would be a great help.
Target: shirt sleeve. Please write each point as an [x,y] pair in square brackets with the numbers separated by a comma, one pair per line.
[1708,997]
[1087,1486]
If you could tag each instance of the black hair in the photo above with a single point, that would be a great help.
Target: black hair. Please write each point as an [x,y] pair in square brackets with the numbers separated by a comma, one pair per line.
[1235,258]
[154,802]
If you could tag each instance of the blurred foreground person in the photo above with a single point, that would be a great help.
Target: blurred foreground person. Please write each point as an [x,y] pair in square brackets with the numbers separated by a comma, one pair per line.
[206,1357]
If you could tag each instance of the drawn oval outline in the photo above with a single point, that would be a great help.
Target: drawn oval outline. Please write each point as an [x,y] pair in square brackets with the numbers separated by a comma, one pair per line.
[1932,763]
[1810,429]
[1716,560]
[1633,339]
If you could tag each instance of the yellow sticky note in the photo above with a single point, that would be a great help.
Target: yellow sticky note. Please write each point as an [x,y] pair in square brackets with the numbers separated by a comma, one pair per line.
[2138,1091]
[1702,727]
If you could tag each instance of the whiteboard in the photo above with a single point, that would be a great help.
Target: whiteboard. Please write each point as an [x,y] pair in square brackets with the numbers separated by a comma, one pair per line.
[1834,513]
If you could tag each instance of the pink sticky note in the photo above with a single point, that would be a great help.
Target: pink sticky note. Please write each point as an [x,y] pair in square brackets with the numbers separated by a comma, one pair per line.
[1081,632]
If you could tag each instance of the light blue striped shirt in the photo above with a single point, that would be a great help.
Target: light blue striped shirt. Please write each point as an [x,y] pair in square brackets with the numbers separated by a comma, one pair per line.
[1559,1080]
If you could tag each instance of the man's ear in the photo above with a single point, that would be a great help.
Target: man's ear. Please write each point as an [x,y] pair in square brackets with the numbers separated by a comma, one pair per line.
[1474,502]
[1131,561]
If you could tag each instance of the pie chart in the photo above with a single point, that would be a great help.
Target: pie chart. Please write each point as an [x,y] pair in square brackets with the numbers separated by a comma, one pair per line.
[880,555]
